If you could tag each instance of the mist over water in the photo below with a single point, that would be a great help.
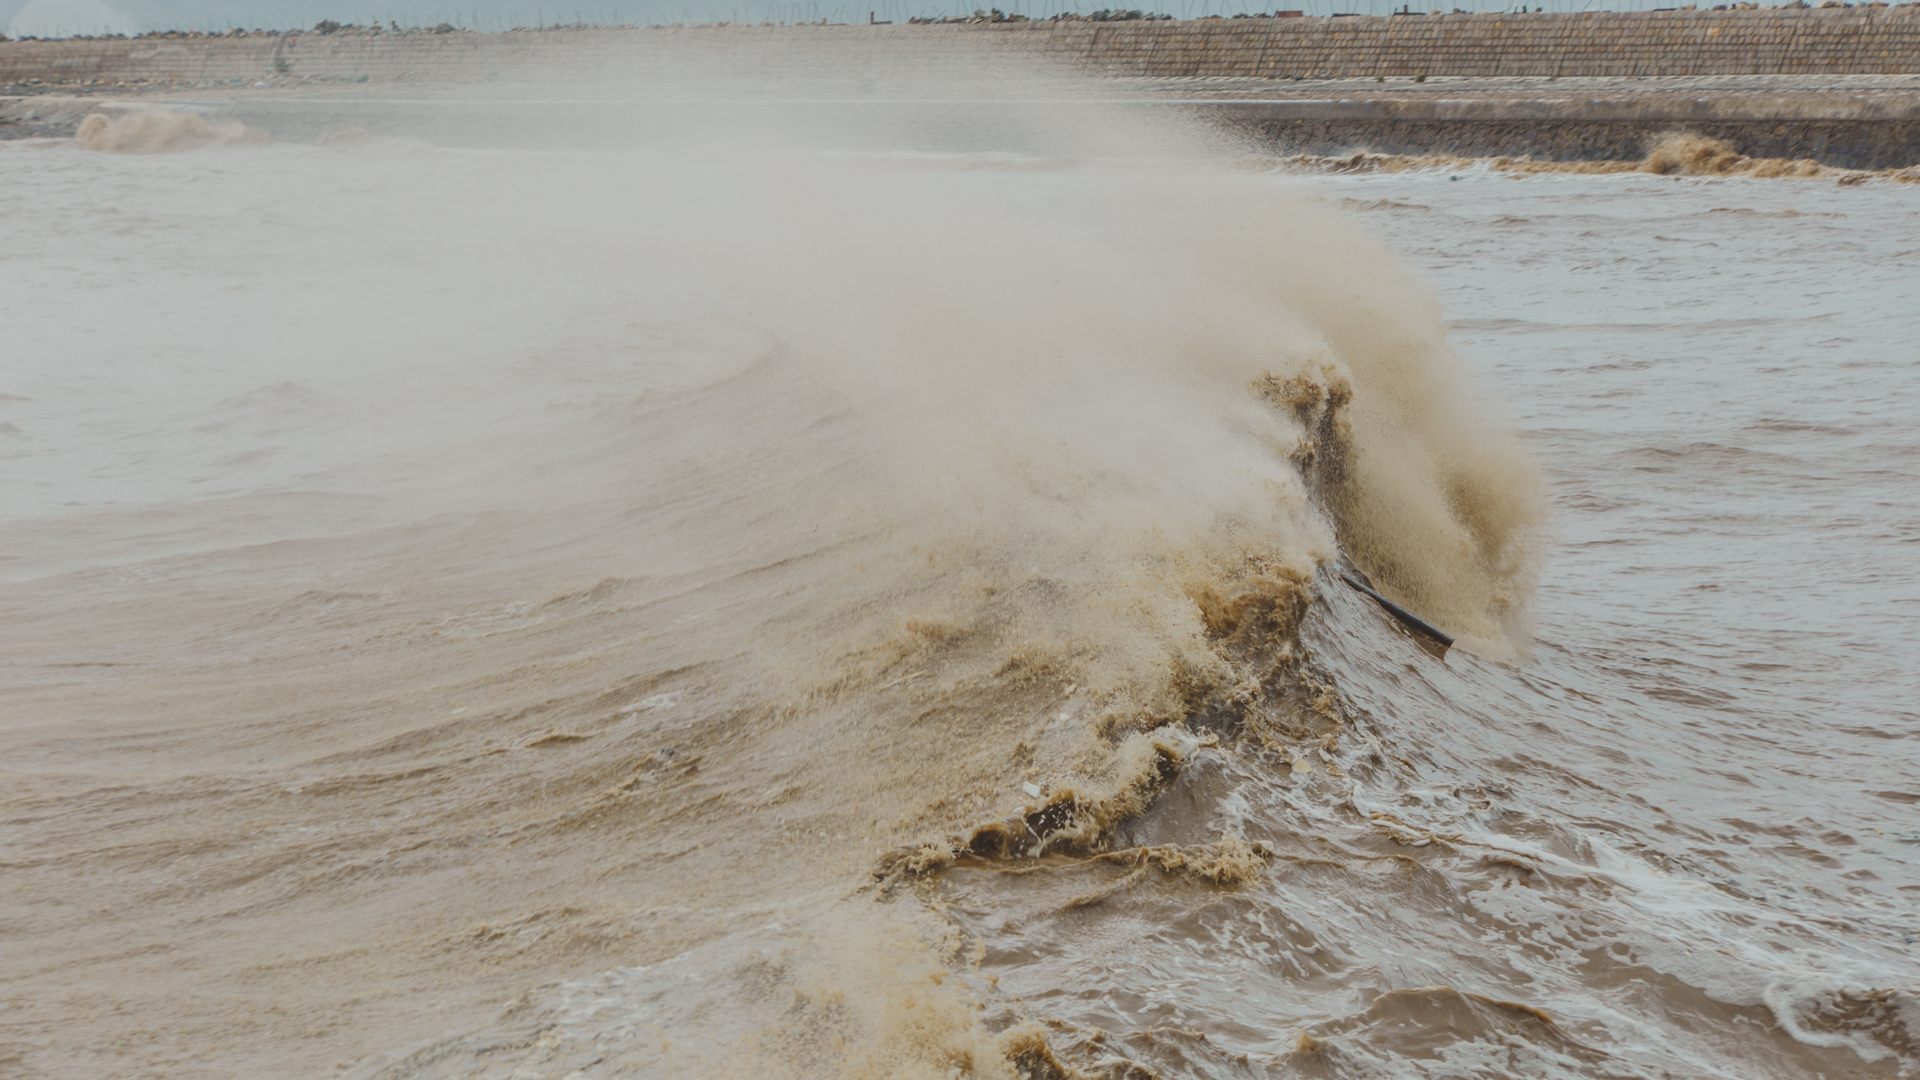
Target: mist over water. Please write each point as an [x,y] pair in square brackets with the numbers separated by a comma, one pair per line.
[855,598]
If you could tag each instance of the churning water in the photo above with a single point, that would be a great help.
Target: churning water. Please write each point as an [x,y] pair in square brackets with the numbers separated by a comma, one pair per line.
[760,609]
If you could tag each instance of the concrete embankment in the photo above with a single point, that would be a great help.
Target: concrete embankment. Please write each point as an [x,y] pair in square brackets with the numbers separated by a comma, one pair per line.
[1839,85]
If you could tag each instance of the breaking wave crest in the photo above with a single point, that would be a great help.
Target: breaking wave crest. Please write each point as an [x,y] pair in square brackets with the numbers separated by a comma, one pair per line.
[1676,153]
[157,131]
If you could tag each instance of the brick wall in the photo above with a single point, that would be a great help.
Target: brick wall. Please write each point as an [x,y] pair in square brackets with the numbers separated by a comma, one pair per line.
[1829,41]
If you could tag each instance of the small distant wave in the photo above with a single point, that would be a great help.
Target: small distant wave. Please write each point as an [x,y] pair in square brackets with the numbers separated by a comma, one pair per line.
[159,131]
[1677,153]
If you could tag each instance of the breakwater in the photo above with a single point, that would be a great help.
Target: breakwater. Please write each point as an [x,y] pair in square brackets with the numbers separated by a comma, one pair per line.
[1788,41]
[1859,126]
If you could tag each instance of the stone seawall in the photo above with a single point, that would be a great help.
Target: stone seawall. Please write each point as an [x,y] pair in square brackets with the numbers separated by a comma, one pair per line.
[1817,41]
[1824,41]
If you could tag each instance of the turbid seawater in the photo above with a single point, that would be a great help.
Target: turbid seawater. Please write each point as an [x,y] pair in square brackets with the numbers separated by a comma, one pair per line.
[787,608]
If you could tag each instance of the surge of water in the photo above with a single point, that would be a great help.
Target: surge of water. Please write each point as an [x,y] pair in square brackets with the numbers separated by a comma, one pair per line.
[809,606]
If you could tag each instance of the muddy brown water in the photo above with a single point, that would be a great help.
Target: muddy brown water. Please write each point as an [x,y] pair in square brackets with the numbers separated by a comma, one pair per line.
[772,610]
